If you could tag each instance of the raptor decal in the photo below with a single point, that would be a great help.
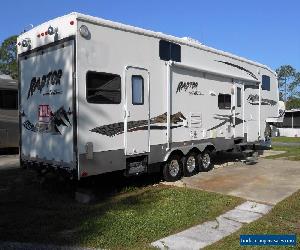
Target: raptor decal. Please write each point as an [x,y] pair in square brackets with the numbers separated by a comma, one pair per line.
[156,123]
[39,83]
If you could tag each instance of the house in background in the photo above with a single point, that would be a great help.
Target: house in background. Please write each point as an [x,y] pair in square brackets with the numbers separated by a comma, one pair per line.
[290,126]
[9,119]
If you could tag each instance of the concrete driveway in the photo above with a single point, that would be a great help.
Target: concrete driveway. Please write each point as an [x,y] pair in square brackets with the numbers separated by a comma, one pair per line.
[9,161]
[268,181]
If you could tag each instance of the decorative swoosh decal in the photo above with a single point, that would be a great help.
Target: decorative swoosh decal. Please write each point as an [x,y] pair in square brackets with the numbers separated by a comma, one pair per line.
[225,119]
[239,67]
[254,100]
[118,128]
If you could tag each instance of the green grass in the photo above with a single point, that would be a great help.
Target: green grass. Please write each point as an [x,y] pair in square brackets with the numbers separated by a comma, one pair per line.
[283,219]
[128,220]
[291,153]
[286,139]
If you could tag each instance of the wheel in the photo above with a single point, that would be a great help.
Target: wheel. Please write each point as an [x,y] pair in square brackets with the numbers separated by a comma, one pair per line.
[172,170]
[206,163]
[191,164]
[23,165]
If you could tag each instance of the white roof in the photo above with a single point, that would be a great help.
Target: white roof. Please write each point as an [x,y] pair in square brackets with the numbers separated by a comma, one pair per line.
[185,40]
[6,80]
[5,77]
[292,110]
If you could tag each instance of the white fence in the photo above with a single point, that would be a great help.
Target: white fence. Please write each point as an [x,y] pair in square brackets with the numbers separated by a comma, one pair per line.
[289,132]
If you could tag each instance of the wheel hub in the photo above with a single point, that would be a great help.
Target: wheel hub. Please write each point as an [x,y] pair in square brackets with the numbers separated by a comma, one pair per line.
[174,168]
[191,164]
[206,160]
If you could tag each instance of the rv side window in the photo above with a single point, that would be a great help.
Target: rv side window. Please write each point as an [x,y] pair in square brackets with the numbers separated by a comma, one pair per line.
[103,88]
[224,101]
[239,97]
[169,51]
[8,99]
[265,82]
[137,90]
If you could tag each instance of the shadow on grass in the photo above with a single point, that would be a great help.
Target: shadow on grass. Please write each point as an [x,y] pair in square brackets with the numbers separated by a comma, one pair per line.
[130,213]
[32,211]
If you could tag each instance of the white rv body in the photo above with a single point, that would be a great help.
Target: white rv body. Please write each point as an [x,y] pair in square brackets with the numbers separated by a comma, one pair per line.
[204,99]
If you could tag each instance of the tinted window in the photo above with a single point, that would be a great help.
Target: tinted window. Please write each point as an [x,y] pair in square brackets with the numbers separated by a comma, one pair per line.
[103,88]
[175,52]
[265,82]
[169,51]
[164,50]
[137,90]
[8,99]
[224,101]
[238,97]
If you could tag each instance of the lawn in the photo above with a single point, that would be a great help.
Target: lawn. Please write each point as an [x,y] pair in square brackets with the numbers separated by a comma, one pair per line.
[292,152]
[284,218]
[286,139]
[129,219]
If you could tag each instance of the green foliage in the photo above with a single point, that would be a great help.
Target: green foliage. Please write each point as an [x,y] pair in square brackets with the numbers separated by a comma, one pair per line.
[8,57]
[293,103]
[286,139]
[288,82]
[291,153]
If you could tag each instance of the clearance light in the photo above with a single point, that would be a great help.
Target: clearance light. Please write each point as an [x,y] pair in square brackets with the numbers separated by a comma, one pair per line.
[51,30]
[72,22]
[84,31]
[84,174]
[26,43]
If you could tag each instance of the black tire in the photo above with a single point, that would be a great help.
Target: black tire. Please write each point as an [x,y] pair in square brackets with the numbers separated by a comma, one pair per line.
[23,165]
[172,170]
[191,164]
[206,163]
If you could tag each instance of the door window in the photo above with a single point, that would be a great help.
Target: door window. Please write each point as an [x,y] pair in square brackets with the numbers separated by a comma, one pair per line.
[239,97]
[137,83]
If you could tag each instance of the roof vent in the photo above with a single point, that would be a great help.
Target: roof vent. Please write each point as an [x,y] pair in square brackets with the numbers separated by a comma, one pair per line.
[191,40]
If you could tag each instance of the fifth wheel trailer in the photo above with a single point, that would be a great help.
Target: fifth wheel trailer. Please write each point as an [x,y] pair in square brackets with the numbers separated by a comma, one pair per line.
[9,124]
[98,96]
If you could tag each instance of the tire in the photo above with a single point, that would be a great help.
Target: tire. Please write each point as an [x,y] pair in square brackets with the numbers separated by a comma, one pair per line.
[191,164]
[172,170]
[23,165]
[206,163]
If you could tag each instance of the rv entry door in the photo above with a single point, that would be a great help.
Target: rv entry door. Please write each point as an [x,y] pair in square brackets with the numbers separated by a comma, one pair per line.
[137,123]
[239,110]
[251,109]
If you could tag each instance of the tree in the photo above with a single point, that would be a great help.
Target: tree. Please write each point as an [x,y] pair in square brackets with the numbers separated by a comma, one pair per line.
[293,103]
[285,76]
[8,57]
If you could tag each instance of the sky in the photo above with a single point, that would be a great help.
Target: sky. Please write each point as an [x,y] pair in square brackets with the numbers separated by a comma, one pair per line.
[266,31]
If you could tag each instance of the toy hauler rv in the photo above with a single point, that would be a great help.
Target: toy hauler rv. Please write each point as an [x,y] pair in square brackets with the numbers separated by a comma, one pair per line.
[98,96]
[9,123]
